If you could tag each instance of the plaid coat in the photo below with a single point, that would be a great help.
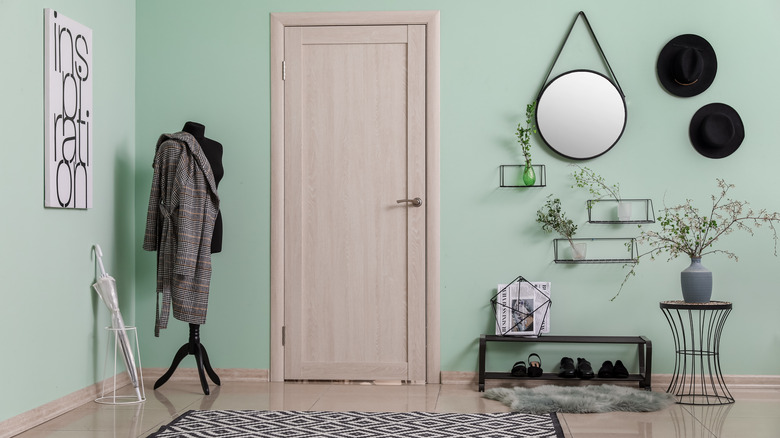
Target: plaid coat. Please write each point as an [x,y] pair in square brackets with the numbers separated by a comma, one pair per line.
[183,206]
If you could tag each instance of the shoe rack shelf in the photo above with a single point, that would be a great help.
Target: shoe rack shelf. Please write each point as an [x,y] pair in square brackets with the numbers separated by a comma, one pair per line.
[644,349]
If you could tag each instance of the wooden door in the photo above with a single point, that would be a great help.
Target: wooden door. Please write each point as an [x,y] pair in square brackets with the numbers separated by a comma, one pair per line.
[354,258]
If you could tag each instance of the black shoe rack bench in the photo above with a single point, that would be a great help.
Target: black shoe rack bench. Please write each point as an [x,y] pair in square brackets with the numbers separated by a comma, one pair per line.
[643,346]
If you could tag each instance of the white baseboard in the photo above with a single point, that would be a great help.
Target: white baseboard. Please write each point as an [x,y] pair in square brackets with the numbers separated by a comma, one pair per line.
[732,381]
[34,417]
[225,375]
[458,377]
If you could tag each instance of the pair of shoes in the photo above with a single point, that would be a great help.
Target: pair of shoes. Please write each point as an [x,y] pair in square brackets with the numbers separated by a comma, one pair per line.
[567,368]
[584,370]
[618,370]
[518,369]
[534,367]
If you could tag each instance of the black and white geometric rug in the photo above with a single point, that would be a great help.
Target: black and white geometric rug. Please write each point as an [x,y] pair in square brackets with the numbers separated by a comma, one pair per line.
[311,424]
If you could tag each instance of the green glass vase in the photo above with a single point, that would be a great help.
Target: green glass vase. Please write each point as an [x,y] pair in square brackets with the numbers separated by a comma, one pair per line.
[529,175]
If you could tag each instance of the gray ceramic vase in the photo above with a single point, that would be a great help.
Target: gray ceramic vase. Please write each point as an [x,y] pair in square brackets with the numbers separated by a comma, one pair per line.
[696,282]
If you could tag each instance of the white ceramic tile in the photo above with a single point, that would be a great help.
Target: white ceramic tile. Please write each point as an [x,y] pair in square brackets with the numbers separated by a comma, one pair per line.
[755,414]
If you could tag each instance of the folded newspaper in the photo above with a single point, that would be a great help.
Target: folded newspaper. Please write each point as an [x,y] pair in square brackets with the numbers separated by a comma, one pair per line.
[522,308]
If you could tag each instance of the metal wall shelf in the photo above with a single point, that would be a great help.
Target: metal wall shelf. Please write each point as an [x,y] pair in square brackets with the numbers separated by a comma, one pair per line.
[604,211]
[599,250]
[512,174]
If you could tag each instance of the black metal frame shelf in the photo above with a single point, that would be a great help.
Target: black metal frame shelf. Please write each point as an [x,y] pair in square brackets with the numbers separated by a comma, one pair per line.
[539,169]
[649,213]
[643,345]
[629,242]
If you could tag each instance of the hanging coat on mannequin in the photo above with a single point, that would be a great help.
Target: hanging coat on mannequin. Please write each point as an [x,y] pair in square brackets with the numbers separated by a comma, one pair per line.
[183,208]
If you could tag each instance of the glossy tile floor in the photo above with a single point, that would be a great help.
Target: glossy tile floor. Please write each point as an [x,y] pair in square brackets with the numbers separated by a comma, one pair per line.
[756,414]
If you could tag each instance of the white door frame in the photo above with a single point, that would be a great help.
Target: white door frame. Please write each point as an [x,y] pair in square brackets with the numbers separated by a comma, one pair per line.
[432,269]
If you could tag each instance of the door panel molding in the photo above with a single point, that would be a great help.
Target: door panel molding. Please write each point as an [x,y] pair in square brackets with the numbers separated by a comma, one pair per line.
[429,23]
[348,158]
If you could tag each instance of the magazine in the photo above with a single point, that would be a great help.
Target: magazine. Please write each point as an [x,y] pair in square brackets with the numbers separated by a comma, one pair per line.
[523,308]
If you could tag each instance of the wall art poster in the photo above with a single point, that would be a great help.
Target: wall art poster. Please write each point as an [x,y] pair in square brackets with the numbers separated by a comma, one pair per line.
[68,112]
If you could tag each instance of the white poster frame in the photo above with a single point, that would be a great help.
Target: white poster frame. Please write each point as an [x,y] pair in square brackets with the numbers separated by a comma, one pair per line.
[68,112]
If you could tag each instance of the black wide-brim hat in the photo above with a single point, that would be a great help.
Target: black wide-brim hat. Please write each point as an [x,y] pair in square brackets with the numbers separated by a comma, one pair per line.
[716,130]
[687,65]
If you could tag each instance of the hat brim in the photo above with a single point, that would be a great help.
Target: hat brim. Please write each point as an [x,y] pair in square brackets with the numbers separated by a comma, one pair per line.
[720,151]
[666,59]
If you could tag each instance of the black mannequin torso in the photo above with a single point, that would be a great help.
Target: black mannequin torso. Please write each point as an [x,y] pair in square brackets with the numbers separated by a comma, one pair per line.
[213,151]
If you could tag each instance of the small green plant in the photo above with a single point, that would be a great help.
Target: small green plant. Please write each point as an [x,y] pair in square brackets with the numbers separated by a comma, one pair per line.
[685,230]
[586,178]
[552,218]
[524,132]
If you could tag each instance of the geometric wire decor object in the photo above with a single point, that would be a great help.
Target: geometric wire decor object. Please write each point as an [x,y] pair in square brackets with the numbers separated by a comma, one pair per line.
[67,112]
[522,308]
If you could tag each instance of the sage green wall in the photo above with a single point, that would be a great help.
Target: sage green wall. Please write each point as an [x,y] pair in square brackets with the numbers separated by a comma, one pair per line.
[51,322]
[208,61]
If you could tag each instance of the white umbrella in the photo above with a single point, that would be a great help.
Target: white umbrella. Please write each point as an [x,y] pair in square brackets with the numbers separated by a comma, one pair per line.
[106,289]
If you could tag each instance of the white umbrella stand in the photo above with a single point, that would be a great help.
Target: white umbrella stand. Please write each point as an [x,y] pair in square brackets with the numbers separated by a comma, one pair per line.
[106,289]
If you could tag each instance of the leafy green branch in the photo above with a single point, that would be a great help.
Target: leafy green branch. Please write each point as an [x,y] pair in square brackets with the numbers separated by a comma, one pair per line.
[553,218]
[586,178]
[685,230]
[524,132]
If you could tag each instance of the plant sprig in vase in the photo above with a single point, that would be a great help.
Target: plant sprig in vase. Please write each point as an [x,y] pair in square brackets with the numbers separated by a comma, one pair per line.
[686,230]
[553,218]
[586,178]
[524,134]
[598,187]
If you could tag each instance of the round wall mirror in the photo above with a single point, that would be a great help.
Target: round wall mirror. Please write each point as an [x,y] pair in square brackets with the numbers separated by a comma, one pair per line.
[581,114]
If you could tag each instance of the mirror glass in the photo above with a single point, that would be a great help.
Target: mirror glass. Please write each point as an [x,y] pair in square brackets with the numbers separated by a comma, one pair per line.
[581,114]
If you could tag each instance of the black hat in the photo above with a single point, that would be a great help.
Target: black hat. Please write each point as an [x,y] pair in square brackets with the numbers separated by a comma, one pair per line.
[716,130]
[687,65]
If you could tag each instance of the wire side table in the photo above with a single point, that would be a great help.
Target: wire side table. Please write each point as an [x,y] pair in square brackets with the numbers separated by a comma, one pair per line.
[697,327]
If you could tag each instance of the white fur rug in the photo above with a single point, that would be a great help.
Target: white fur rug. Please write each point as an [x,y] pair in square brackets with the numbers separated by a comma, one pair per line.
[580,399]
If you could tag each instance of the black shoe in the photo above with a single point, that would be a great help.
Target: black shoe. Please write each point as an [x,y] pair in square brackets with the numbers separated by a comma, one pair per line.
[567,368]
[584,370]
[518,370]
[606,370]
[620,370]
[535,365]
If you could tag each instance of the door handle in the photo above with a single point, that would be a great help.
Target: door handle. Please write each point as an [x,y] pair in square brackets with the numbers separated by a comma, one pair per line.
[416,202]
